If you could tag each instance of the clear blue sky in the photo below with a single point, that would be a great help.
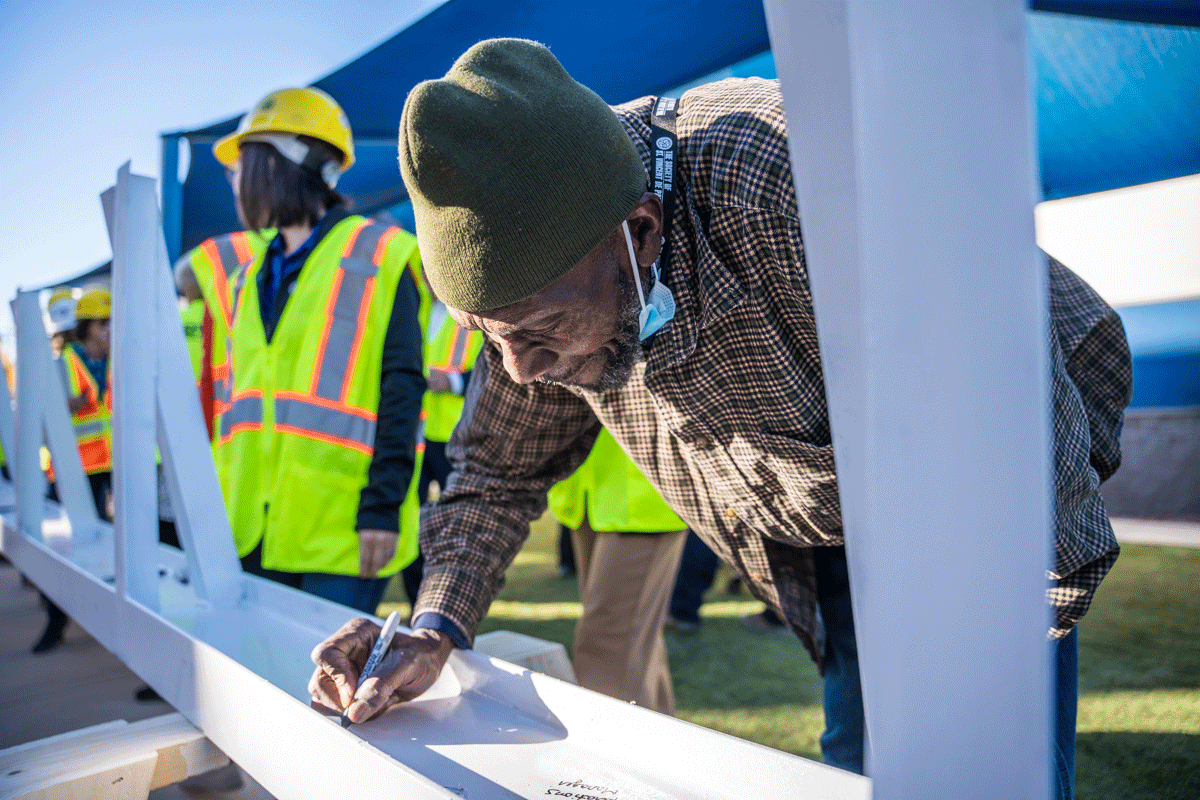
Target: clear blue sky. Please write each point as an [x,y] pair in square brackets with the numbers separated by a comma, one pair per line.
[85,86]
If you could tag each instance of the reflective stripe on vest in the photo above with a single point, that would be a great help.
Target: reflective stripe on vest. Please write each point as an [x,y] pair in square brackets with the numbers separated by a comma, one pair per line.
[91,423]
[346,312]
[458,351]
[223,386]
[244,413]
[304,415]
[227,254]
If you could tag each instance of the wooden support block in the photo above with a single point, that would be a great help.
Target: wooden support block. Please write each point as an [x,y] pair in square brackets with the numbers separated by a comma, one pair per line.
[116,759]
[535,654]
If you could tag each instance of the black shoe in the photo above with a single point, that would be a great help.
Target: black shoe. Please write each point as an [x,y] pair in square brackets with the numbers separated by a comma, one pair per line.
[734,586]
[52,636]
[148,695]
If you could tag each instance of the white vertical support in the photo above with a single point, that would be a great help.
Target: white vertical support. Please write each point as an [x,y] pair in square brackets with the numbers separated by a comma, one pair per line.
[134,353]
[27,471]
[49,407]
[912,149]
[187,459]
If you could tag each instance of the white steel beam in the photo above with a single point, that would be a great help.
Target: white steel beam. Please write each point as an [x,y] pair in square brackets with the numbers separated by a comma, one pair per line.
[239,669]
[910,133]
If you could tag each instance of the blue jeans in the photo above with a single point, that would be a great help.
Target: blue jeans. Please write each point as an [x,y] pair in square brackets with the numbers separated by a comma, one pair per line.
[843,741]
[696,572]
[362,594]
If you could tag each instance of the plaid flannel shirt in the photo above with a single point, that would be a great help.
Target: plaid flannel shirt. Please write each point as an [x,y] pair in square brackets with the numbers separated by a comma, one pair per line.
[727,415]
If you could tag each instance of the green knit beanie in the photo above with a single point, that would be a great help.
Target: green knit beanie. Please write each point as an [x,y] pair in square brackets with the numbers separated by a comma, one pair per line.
[516,172]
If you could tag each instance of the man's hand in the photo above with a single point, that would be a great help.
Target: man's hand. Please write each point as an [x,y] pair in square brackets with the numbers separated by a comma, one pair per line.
[439,380]
[375,550]
[409,668]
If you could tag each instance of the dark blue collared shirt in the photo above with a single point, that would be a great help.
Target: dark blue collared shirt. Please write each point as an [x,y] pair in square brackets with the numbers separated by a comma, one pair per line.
[279,273]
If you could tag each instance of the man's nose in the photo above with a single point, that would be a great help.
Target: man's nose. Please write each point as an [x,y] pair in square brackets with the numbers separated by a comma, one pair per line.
[526,363]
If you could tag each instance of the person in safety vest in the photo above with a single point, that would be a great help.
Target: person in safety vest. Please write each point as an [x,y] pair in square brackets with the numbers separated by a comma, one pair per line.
[316,442]
[450,355]
[628,543]
[87,371]
[208,268]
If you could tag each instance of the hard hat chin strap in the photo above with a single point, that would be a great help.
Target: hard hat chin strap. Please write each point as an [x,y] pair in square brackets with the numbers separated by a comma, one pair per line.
[300,154]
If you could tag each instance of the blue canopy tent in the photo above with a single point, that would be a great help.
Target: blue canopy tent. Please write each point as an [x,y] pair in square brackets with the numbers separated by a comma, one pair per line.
[1117,98]
[1117,94]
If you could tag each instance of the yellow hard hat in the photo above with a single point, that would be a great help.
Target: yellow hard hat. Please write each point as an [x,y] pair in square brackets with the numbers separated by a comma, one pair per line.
[95,304]
[309,111]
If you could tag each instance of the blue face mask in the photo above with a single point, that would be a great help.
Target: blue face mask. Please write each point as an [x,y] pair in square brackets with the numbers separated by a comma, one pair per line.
[659,308]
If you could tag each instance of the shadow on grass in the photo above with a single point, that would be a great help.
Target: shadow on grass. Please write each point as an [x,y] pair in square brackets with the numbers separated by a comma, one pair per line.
[1137,766]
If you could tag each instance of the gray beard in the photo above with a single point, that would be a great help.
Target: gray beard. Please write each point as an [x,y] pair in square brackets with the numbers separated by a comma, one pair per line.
[629,348]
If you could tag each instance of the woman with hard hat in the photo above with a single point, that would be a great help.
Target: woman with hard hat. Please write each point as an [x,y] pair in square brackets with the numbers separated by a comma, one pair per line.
[89,390]
[316,446]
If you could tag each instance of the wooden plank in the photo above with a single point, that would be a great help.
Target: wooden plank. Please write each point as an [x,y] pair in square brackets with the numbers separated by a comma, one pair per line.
[128,780]
[103,756]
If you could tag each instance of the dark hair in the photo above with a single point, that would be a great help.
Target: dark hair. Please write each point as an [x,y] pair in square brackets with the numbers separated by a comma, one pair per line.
[81,330]
[275,192]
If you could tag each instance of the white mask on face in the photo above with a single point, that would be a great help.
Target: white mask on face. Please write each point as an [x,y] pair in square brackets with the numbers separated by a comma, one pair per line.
[661,306]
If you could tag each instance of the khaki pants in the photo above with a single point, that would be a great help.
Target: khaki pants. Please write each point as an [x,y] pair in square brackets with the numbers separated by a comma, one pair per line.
[625,583]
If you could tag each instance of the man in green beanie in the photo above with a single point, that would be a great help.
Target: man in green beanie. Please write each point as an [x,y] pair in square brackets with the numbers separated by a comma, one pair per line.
[641,268]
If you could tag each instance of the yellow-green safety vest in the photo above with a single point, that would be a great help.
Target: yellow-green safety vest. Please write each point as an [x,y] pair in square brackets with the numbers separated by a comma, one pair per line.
[295,440]
[92,422]
[453,350]
[193,332]
[613,492]
[215,263]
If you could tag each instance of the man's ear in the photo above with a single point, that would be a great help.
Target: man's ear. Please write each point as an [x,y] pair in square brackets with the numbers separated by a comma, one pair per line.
[645,227]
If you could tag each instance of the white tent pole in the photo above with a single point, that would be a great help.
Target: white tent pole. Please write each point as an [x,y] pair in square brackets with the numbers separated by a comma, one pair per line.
[912,149]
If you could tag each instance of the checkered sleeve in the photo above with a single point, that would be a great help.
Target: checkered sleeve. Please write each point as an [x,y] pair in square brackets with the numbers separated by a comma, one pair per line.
[512,443]
[1091,384]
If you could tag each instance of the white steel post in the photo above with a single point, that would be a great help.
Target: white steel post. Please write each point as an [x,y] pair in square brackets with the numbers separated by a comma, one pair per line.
[191,476]
[27,473]
[912,149]
[134,353]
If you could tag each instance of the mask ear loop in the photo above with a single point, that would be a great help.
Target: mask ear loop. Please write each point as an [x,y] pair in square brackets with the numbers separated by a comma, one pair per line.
[637,279]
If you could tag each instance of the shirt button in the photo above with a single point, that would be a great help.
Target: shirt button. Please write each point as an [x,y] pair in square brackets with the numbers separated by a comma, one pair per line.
[729,512]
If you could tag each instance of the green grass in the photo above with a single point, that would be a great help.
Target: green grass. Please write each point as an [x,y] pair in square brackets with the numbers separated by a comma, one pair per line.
[1139,704]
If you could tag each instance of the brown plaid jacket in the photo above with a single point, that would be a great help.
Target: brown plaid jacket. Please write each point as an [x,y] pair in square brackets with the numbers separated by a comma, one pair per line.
[727,415]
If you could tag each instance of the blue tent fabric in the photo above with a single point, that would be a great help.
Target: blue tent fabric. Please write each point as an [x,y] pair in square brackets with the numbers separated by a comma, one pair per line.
[619,48]
[1118,101]
[1118,104]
